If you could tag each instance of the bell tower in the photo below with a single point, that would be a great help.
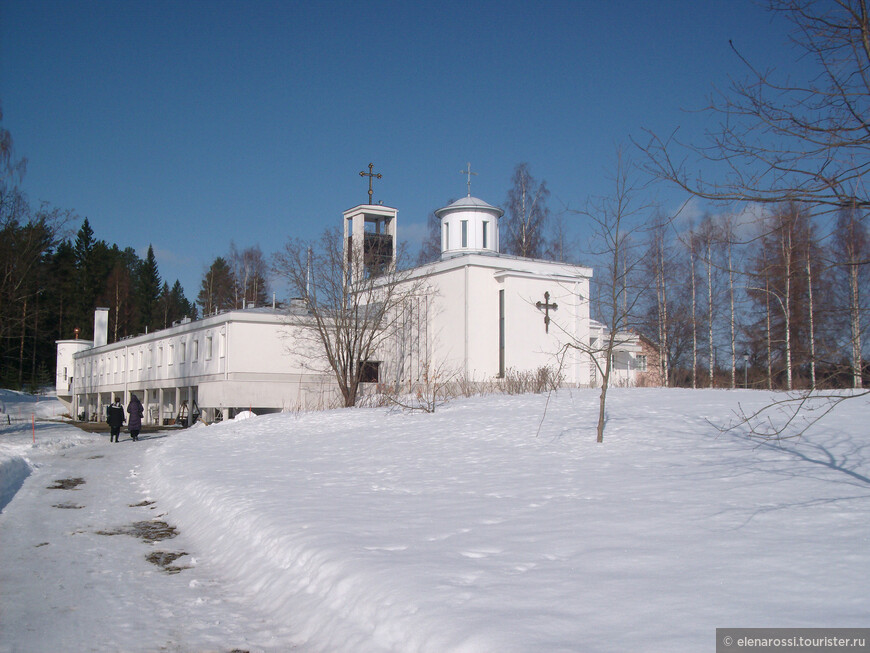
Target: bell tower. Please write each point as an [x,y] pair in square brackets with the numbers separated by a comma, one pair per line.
[369,240]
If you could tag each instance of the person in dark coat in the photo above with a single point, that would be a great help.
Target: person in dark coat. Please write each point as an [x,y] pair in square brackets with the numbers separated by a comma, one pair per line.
[115,418]
[135,410]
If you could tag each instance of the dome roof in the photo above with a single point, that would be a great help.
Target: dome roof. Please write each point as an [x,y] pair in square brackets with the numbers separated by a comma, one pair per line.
[469,203]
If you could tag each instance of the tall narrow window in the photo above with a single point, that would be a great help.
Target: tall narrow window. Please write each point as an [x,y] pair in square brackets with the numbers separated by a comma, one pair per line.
[446,236]
[501,333]
[464,224]
[485,234]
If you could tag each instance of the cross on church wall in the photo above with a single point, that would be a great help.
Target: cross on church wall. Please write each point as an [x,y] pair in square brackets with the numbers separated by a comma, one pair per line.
[546,306]
[370,175]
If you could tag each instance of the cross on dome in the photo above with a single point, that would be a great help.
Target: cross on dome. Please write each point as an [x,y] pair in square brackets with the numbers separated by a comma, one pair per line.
[469,173]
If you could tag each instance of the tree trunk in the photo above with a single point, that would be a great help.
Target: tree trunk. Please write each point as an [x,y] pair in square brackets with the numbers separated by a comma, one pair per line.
[769,335]
[712,358]
[662,298]
[33,380]
[812,323]
[855,327]
[733,319]
[786,306]
[605,382]
[694,320]
[602,400]
[21,347]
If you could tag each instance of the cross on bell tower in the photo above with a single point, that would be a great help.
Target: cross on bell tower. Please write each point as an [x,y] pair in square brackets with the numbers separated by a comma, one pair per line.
[370,175]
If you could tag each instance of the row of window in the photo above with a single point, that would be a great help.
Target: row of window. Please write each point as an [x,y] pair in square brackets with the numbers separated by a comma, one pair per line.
[174,352]
[463,234]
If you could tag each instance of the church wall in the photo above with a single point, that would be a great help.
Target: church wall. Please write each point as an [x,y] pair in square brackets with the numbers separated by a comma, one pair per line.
[447,322]
[464,320]
[482,321]
[574,297]
[529,343]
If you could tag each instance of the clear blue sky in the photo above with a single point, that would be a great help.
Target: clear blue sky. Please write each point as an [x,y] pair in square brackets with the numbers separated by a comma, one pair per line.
[188,125]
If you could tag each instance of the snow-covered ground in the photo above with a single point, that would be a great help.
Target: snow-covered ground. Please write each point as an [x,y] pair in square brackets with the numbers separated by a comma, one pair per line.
[369,530]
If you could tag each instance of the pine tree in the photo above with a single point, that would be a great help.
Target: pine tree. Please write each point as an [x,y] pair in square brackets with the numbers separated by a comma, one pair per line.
[62,284]
[216,292]
[86,286]
[173,304]
[148,292]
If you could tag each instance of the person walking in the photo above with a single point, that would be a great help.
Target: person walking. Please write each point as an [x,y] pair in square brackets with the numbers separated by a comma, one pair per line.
[115,419]
[136,411]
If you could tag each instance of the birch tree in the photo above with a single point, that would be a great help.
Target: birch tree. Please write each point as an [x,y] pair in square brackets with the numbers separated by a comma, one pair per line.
[851,258]
[618,221]
[526,215]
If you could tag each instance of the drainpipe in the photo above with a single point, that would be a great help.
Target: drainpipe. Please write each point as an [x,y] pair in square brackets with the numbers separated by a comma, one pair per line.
[126,374]
[466,321]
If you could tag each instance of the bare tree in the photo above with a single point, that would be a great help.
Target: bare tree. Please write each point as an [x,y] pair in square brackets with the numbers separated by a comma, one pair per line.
[783,140]
[353,308]
[562,244]
[851,253]
[708,236]
[810,314]
[249,270]
[691,242]
[526,215]
[617,219]
[768,320]
[430,248]
[727,231]
[10,167]
[659,260]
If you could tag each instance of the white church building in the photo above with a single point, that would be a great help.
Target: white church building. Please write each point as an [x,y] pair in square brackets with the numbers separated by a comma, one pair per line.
[484,316]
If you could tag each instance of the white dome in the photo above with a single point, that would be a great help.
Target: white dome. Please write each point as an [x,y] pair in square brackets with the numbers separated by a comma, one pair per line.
[469,225]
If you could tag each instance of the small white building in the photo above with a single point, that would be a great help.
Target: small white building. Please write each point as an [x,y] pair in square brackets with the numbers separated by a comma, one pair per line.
[483,316]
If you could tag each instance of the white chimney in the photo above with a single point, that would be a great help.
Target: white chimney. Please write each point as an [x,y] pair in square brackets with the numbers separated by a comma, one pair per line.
[101,327]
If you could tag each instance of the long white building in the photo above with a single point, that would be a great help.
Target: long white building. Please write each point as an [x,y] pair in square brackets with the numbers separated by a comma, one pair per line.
[483,316]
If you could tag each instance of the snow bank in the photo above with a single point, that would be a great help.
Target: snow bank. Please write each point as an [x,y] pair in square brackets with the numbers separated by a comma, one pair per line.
[23,429]
[20,406]
[370,530]
[13,471]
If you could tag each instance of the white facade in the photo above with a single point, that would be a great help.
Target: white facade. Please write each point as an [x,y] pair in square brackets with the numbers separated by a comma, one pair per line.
[231,361]
[480,317]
